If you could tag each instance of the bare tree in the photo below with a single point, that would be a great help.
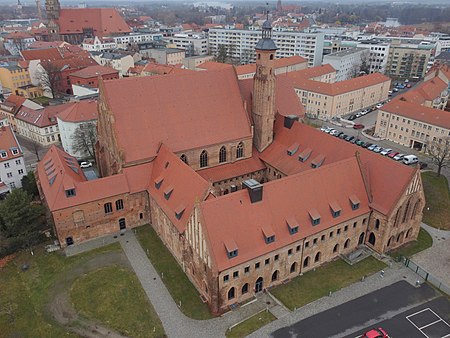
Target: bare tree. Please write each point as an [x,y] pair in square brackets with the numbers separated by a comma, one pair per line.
[365,64]
[49,77]
[439,151]
[84,139]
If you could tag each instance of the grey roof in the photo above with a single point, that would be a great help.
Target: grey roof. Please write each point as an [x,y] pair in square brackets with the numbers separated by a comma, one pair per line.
[266,24]
[266,44]
[443,56]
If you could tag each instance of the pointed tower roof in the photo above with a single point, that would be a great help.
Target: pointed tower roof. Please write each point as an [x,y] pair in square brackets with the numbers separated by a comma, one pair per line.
[266,43]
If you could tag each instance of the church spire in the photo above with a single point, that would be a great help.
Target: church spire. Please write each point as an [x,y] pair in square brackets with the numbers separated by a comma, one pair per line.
[263,109]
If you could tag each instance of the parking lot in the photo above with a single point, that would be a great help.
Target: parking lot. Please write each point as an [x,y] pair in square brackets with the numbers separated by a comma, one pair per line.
[390,308]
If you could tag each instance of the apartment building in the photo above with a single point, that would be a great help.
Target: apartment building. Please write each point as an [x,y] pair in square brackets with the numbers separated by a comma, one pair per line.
[324,98]
[12,164]
[167,56]
[418,116]
[410,60]
[348,63]
[123,41]
[241,44]
[192,43]
[98,44]
[14,75]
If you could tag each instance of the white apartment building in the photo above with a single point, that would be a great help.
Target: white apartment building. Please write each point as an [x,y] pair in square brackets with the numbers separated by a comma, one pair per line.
[98,44]
[379,54]
[193,44]
[124,40]
[12,164]
[241,44]
[347,62]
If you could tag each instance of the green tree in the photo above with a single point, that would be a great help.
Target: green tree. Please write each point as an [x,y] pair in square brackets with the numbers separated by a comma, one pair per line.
[19,217]
[84,139]
[29,184]
[222,54]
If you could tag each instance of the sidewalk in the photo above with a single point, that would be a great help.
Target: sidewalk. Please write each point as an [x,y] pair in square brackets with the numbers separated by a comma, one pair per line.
[436,234]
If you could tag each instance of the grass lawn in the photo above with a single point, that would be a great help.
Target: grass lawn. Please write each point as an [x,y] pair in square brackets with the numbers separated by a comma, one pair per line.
[251,325]
[330,277]
[424,241]
[114,296]
[42,100]
[437,196]
[24,295]
[179,286]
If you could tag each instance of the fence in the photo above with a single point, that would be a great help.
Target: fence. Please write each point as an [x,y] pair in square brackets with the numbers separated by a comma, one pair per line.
[426,275]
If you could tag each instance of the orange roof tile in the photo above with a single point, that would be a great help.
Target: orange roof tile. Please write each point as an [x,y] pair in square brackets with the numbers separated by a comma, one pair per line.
[94,71]
[312,72]
[233,217]
[179,114]
[417,112]
[79,112]
[42,117]
[103,21]
[212,65]
[8,143]
[387,178]
[278,63]
[41,54]
[185,186]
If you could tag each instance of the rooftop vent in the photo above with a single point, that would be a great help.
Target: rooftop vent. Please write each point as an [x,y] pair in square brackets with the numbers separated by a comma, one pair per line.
[289,121]
[255,190]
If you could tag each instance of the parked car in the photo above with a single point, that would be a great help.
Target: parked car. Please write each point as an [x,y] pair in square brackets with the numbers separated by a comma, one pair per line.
[410,159]
[333,132]
[399,157]
[408,85]
[385,151]
[358,115]
[392,154]
[367,145]
[358,126]
[390,93]
[360,143]
[377,149]
[395,84]
[401,86]
[339,134]
[395,89]
[372,146]
[349,138]
[85,164]
[407,80]
[352,117]
[329,130]
[379,105]
[324,128]
[376,333]
[354,140]
[342,136]
[366,111]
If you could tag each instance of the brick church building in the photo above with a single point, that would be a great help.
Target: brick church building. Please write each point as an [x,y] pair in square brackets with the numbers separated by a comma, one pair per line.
[73,25]
[243,194]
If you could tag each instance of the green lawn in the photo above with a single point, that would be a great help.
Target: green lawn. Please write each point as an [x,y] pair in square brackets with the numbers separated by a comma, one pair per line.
[24,295]
[330,277]
[437,197]
[114,296]
[251,325]
[424,241]
[42,100]
[174,278]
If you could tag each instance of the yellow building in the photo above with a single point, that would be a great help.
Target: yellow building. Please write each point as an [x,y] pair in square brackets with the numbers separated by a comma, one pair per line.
[14,75]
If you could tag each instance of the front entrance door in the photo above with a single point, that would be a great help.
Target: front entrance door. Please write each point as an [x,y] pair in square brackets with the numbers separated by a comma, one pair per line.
[259,285]
[122,224]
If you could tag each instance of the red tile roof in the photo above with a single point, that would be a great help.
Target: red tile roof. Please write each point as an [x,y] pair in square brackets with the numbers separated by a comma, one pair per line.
[278,63]
[42,118]
[8,143]
[82,111]
[212,65]
[387,178]
[311,73]
[179,114]
[341,87]
[104,21]
[46,44]
[94,71]
[230,170]
[41,54]
[15,101]
[417,112]
[159,69]
[233,218]
[185,186]
[18,35]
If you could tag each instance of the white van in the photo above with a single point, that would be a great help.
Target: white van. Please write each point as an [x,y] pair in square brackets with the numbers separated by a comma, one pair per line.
[410,159]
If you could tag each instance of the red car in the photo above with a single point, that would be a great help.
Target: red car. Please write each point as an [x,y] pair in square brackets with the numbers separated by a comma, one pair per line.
[408,86]
[375,333]
[358,126]
[393,154]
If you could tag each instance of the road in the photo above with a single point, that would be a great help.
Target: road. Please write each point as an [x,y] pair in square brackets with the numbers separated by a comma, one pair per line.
[385,308]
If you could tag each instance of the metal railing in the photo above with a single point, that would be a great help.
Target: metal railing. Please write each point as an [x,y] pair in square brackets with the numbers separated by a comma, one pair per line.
[426,275]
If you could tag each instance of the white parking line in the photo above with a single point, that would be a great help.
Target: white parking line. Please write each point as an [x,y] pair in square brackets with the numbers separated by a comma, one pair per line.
[430,324]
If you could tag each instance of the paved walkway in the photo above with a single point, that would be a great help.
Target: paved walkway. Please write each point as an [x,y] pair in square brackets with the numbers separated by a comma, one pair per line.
[436,234]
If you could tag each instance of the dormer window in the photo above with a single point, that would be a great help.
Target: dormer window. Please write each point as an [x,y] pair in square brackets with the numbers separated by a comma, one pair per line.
[168,192]
[70,192]
[269,234]
[15,151]
[335,209]
[315,217]
[292,225]
[158,182]
[318,161]
[293,149]
[304,155]
[231,247]
[354,202]
[180,211]
[3,154]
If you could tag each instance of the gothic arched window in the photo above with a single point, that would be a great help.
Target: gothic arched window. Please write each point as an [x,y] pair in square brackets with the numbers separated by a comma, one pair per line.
[203,159]
[240,150]
[222,154]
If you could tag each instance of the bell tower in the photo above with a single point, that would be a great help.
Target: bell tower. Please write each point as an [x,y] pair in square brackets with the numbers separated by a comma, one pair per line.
[263,109]
[52,8]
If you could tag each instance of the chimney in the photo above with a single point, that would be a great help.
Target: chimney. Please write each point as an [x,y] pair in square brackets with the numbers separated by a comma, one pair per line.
[289,121]
[255,190]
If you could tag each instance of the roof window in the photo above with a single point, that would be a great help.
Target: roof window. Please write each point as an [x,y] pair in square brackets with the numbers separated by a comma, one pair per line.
[179,211]
[292,225]
[168,192]
[315,216]
[354,201]
[293,149]
[70,193]
[304,155]
[335,209]
[317,161]
[3,153]
[158,182]
[231,247]
[269,234]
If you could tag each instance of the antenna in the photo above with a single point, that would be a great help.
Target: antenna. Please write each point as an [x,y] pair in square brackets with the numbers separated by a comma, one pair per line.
[267,10]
